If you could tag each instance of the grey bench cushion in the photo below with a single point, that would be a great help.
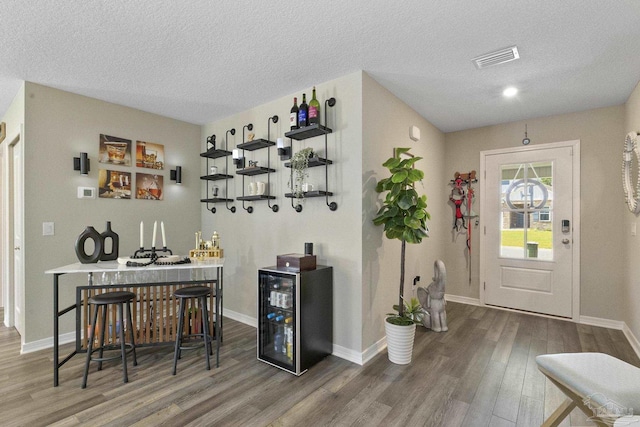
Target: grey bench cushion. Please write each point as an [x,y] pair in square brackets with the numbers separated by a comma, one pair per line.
[599,378]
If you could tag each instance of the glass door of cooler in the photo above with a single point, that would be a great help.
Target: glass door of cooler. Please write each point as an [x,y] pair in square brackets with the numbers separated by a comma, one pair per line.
[277,319]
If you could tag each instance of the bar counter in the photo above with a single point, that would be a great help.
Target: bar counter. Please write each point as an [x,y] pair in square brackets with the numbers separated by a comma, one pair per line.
[154,309]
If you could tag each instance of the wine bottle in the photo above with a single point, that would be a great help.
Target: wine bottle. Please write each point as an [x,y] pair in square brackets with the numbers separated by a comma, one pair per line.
[314,109]
[293,117]
[303,112]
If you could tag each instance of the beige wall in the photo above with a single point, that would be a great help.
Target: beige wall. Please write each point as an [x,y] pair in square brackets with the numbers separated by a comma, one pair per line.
[386,122]
[251,241]
[631,244]
[600,132]
[58,126]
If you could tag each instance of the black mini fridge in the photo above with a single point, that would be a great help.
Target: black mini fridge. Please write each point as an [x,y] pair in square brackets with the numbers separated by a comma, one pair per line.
[295,317]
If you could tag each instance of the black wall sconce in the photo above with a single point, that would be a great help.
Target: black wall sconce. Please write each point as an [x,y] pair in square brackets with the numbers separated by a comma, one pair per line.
[238,158]
[82,164]
[283,152]
[176,175]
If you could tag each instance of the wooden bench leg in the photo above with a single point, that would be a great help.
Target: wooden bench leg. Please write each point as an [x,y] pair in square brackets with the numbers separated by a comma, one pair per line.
[559,414]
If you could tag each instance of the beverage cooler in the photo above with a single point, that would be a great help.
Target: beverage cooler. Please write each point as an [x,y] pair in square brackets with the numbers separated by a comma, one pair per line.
[295,317]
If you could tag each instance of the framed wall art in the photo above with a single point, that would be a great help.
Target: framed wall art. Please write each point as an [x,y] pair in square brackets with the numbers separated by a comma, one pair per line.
[149,155]
[114,150]
[149,186]
[114,184]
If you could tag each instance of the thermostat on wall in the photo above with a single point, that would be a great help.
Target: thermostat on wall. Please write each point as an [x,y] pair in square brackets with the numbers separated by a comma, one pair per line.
[86,193]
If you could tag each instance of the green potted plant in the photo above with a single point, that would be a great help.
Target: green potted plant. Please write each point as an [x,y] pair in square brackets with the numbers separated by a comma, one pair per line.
[300,168]
[404,216]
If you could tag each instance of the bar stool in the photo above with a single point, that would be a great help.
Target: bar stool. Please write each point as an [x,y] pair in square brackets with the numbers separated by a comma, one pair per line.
[103,301]
[201,293]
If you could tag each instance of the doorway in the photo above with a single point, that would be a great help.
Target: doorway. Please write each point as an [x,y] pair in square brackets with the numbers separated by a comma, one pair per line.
[530,205]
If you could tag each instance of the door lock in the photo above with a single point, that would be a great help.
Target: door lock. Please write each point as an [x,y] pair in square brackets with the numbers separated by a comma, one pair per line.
[566,241]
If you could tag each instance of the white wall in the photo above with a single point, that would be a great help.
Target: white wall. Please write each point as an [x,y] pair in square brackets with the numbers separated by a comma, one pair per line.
[14,119]
[251,241]
[600,133]
[386,122]
[631,244]
[58,126]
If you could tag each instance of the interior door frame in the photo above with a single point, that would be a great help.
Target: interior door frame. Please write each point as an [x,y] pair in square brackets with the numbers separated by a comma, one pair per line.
[575,205]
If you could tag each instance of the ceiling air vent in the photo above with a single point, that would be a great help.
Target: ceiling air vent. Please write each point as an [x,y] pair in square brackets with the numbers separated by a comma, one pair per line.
[495,58]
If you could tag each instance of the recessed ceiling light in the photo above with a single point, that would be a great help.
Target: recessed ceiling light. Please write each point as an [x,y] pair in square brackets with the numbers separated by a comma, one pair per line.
[510,92]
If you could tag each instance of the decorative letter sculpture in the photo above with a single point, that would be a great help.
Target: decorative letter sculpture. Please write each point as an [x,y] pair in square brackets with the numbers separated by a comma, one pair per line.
[432,300]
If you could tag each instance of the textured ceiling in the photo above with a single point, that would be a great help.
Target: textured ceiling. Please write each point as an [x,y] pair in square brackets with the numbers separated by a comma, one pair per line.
[199,61]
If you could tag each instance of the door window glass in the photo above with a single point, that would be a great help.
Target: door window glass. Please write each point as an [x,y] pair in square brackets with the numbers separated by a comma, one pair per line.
[526,211]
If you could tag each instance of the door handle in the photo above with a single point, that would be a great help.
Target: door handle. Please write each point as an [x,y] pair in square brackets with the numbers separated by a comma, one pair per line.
[17,248]
[566,241]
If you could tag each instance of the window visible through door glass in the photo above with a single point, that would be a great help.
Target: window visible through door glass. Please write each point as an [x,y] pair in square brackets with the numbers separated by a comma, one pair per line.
[527,211]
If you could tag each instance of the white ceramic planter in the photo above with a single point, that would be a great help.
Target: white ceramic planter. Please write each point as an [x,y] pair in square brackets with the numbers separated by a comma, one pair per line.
[400,342]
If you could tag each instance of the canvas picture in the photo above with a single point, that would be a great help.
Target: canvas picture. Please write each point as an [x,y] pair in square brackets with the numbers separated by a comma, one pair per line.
[114,150]
[149,186]
[114,184]
[149,155]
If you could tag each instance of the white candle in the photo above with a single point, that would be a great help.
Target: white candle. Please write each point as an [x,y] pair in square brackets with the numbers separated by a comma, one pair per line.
[155,229]
[141,234]
[164,237]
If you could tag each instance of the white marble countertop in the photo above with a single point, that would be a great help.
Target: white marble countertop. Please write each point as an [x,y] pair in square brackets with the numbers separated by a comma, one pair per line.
[105,266]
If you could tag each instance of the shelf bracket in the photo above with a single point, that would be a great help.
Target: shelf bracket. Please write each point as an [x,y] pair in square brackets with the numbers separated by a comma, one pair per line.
[332,205]
[273,119]
[231,131]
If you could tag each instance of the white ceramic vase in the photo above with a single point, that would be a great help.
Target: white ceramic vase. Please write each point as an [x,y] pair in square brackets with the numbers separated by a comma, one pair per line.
[400,342]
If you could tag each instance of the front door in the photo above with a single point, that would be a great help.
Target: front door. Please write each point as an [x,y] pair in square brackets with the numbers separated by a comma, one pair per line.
[530,209]
[18,262]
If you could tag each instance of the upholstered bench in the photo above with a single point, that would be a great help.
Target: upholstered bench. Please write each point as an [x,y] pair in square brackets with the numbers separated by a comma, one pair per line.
[603,387]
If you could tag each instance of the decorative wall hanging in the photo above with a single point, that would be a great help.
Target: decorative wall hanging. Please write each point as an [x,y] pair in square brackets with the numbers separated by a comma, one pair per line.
[114,184]
[149,187]
[149,155]
[114,150]
[630,162]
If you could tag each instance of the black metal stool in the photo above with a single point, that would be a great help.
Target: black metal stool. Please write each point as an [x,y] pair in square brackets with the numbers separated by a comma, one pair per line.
[102,301]
[201,293]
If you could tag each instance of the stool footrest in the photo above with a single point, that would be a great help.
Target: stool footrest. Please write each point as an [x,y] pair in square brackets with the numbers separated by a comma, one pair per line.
[111,347]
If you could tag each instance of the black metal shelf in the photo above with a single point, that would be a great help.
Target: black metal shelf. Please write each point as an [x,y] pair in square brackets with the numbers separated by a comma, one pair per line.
[313,162]
[216,177]
[256,144]
[257,170]
[212,153]
[216,200]
[310,131]
[308,194]
[253,198]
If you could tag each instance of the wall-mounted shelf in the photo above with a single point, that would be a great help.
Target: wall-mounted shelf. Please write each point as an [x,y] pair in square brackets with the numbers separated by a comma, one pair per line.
[253,145]
[310,131]
[309,194]
[215,153]
[313,162]
[216,177]
[212,153]
[256,144]
[255,170]
[253,198]
[307,132]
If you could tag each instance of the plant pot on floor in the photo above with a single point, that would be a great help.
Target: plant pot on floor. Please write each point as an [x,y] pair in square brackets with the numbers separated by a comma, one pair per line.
[400,342]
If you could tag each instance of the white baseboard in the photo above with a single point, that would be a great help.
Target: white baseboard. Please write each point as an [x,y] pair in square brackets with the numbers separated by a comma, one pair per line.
[46,343]
[602,323]
[633,340]
[462,300]
[347,354]
[239,317]
[373,350]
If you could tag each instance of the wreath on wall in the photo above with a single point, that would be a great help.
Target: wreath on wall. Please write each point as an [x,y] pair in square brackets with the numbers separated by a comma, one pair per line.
[630,155]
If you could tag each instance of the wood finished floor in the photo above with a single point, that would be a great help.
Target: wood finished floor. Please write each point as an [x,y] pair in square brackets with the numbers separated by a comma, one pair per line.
[481,372]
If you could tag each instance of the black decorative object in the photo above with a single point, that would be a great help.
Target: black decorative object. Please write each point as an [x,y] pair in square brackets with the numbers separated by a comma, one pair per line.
[106,235]
[82,164]
[89,233]
[308,248]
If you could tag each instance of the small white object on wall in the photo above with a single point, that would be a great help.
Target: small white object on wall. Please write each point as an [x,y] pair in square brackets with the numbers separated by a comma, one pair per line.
[86,193]
[414,133]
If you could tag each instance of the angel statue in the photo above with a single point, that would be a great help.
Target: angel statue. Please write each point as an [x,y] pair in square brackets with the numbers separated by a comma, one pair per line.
[432,300]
